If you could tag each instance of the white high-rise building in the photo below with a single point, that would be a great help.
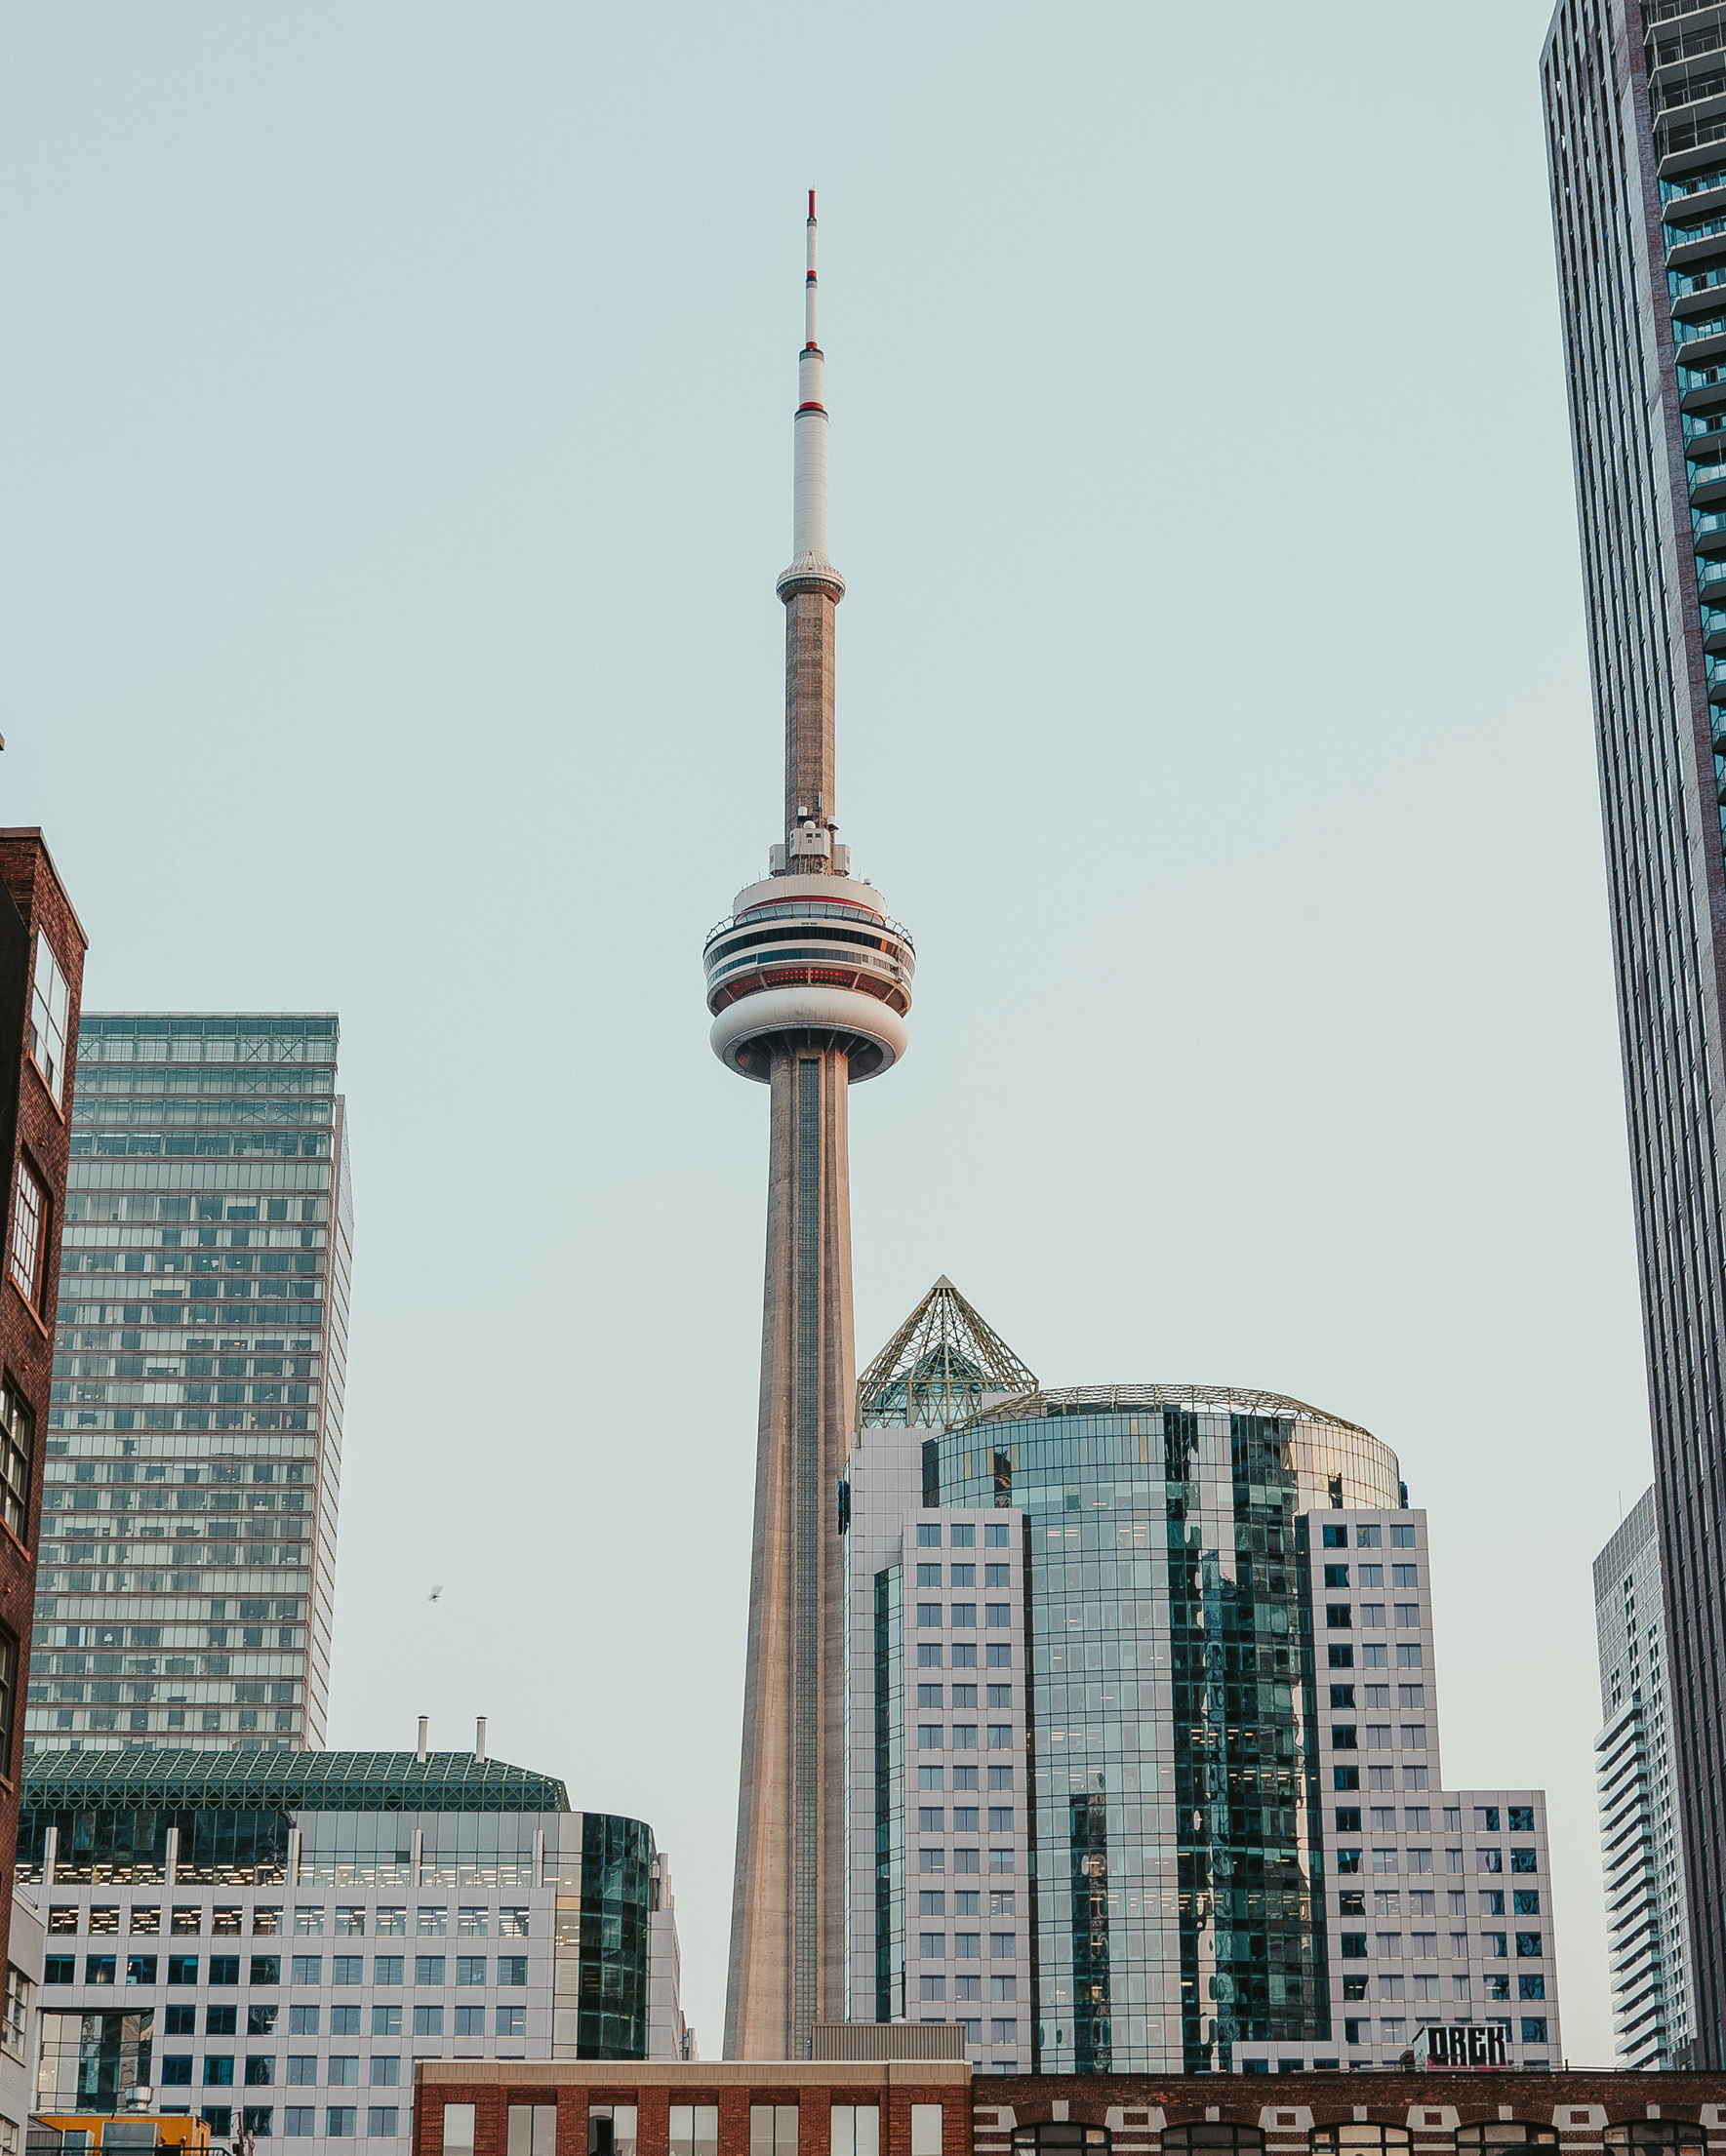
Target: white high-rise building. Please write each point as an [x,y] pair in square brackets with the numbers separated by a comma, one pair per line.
[1143,1736]
[1642,1850]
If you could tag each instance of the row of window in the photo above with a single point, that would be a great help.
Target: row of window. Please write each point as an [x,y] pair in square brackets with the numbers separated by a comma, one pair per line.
[1339,1616]
[933,1860]
[305,1969]
[1375,1655]
[998,1655]
[1419,1859]
[299,2121]
[1394,2030]
[341,2070]
[967,1987]
[1002,1901]
[964,1778]
[1372,1576]
[965,1576]
[1366,1536]
[968,1945]
[1492,1945]
[962,1534]
[187,1919]
[932,1818]
[964,1616]
[1388,1901]
[932,1737]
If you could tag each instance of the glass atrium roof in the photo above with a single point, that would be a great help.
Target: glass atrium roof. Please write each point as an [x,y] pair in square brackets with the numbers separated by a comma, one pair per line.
[284,1782]
[936,1368]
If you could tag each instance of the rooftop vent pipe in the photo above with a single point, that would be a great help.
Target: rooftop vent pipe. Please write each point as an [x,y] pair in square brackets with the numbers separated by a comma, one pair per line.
[479,1740]
[419,1755]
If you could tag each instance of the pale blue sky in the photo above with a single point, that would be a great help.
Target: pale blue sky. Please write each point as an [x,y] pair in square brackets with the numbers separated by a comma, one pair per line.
[396,465]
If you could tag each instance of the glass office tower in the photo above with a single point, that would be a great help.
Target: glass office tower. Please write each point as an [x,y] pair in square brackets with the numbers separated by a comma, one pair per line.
[1634,101]
[194,1441]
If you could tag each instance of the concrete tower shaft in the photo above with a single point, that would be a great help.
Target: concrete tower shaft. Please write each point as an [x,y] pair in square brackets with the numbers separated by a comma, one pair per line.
[808,983]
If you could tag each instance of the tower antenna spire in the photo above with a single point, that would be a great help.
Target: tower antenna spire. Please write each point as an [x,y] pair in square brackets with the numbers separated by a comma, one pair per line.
[809,483]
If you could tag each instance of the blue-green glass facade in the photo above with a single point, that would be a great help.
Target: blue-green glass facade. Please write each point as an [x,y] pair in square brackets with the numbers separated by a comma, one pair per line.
[1176,1854]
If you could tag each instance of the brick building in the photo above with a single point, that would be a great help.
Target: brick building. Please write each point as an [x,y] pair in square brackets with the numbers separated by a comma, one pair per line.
[41,977]
[935,2109]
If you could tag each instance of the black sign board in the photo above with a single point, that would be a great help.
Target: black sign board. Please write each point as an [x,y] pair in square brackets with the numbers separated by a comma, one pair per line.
[1465,2044]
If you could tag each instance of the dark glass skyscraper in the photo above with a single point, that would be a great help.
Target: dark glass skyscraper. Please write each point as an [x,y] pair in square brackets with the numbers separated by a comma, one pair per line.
[1635,110]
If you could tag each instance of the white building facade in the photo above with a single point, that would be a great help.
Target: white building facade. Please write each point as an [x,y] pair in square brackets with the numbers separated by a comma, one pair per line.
[276,1952]
[1641,1845]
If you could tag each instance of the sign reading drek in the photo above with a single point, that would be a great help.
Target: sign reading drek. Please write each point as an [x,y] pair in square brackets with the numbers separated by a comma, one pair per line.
[1466,2044]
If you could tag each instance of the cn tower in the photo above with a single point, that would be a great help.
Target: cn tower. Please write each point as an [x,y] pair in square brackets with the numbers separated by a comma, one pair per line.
[808,983]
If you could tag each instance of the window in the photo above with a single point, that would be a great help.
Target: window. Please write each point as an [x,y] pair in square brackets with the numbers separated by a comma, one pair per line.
[385,2072]
[1534,2029]
[140,1969]
[1522,1860]
[1336,1537]
[1340,1657]
[512,2021]
[297,2120]
[773,2130]
[431,1923]
[471,1969]
[1489,1860]
[50,1001]
[219,2118]
[176,2070]
[220,2021]
[533,2130]
[1528,1946]
[257,2119]
[695,2130]
[18,2009]
[16,1433]
[856,2131]
[307,1969]
[29,1232]
[344,2020]
[429,2021]
[260,2021]
[224,1969]
[931,1987]
[513,1968]
[338,2122]
[345,2072]
[261,2073]
[928,1535]
[1402,1538]
[1336,1576]
[303,2020]
[387,1969]
[1531,1987]
[307,1923]
[925,2130]
[99,1969]
[218,2073]
[1526,1901]
[266,1968]
[429,1969]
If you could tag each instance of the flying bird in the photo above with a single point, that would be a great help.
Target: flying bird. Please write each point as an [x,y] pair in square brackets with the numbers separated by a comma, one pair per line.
[433,1595]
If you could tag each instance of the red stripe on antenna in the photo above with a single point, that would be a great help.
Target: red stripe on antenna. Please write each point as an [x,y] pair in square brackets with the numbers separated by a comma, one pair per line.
[812,205]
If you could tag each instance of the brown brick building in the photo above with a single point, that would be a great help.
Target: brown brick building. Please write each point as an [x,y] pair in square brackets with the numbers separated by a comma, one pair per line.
[925,2109]
[41,979]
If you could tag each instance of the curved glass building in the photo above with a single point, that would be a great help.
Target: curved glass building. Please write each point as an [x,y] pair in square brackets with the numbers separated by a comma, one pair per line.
[1151,1756]
[1176,1831]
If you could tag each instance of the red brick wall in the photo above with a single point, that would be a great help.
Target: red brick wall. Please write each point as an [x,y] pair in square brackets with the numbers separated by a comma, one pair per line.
[652,2102]
[1332,2097]
[29,1121]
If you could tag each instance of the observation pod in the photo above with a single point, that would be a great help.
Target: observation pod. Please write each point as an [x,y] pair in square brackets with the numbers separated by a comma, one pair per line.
[812,959]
